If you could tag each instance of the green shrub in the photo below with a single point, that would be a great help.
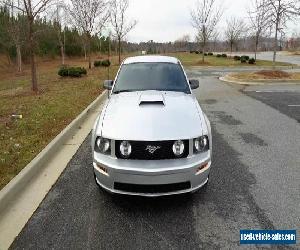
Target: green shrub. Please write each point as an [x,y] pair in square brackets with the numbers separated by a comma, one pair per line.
[210,53]
[246,57]
[197,52]
[251,61]
[236,58]
[224,55]
[205,54]
[72,71]
[219,55]
[243,60]
[97,63]
[105,63]
[63,71]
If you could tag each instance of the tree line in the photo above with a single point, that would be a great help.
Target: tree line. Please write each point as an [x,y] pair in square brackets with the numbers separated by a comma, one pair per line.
[14,36]
[47,27]
[265,18]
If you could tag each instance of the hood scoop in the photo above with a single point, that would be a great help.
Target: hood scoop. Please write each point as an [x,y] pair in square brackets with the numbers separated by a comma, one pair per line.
[151,99]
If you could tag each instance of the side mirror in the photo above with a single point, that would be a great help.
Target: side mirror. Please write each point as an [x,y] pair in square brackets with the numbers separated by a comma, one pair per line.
[194,84]
[108,84]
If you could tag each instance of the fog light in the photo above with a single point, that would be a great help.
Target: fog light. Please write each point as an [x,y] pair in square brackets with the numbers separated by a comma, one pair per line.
[101,169]
[200,169]
[178,148]
[125,149]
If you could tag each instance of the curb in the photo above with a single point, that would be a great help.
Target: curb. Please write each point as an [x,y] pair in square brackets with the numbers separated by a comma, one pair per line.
[15,187]
[295,66]
[263,82]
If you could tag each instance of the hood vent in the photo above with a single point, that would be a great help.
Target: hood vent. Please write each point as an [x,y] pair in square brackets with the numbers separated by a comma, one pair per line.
[152,103]
[151,98]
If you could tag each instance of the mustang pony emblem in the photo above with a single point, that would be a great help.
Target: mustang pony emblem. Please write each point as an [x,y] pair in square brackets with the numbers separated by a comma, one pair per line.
[152,149]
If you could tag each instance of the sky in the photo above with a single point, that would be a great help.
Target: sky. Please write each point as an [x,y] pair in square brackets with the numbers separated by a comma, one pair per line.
[168,20]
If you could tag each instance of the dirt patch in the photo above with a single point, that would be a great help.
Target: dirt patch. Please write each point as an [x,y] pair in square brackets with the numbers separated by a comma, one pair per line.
[264,75]
[252,139]
[5,119]
[273,74]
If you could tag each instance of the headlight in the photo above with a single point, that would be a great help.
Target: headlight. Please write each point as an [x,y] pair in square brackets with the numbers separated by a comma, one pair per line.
[178,148]
[102,145]
[125,149]
[201,144]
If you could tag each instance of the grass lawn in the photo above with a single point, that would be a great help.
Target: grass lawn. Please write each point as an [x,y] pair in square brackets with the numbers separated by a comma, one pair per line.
[45,114]
[263,75]
[192,59]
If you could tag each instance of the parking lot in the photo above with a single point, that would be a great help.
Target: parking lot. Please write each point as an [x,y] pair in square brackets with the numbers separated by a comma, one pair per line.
[254,183]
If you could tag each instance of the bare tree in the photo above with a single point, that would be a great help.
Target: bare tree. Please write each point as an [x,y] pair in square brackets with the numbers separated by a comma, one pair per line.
[16,29]
[258,15]
[31,9]
[59,22]
[89,16]
[234,31]
[205,18]
[279,12]
[118,21]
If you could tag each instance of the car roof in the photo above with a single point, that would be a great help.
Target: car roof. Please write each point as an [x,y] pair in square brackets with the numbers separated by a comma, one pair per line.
[158,59]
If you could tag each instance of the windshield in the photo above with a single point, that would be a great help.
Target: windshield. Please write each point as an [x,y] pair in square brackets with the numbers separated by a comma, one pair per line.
[151,76]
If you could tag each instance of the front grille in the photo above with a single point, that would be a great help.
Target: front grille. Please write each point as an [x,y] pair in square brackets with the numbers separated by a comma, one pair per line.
[152,189]
[139,150]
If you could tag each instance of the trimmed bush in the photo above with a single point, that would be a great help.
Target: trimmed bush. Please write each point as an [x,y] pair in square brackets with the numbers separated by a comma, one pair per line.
[97,63]
[246,57]
[243,60]
[72,71]
[251,61]
[210,53]
[197,52]
[205,54]
[224,55]
[236,58]
[219,55]
[104,63]
[63,71]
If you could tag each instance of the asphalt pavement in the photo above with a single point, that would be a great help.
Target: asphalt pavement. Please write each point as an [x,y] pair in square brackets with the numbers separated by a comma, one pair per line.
[254,184]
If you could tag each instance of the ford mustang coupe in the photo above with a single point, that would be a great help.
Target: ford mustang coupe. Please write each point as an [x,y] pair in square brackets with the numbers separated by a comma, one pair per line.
[152,137]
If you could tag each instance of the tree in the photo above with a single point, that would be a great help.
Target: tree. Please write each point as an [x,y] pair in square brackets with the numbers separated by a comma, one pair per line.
[118,21]
[31,9]
[89,16]
[16,30]
[205,18]
[234,31]
[279,12]
[4,32]
[259,22]
[59,26]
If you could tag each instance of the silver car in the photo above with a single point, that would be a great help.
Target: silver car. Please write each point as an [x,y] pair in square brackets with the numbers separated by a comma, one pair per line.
[152,137]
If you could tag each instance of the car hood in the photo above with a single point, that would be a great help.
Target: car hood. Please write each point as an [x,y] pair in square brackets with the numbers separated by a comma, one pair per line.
[151,116]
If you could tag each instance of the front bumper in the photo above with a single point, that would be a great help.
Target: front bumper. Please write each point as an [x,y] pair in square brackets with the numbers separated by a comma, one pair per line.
[110,171]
